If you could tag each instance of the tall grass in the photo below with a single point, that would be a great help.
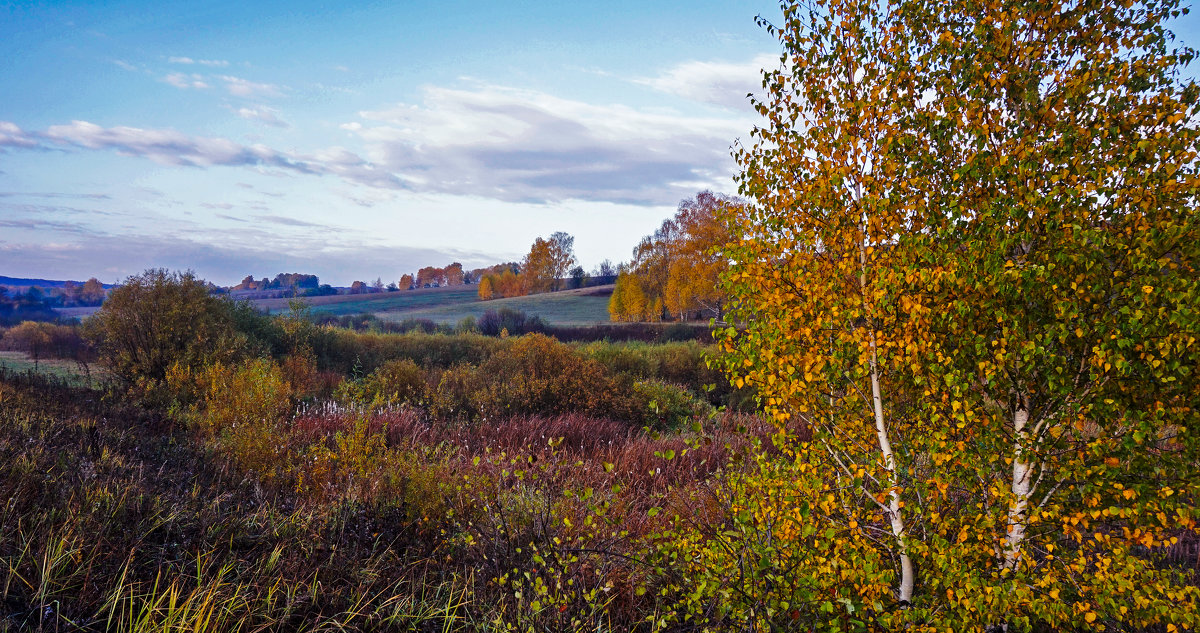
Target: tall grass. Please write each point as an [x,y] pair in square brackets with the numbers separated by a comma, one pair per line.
[123,518]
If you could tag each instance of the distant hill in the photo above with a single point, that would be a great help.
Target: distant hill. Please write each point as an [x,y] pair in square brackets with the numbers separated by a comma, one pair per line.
[42,283]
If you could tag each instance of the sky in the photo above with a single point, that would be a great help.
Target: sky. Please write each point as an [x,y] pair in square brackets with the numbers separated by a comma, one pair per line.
[359,141]
[364,140]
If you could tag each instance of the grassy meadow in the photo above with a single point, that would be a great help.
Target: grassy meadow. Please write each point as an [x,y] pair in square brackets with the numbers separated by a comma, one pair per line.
[585,306]
[319,478]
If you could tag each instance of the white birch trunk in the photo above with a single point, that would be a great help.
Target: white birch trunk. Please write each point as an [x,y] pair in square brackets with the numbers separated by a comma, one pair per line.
[1022,471]
[904,595]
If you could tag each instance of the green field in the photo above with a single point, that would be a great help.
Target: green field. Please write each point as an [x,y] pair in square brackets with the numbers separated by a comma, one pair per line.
[68,370]
[588,306]
[403,300]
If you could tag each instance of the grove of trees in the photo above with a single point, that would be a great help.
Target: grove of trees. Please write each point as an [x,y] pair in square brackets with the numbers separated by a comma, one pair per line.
[675,273]
[544,269]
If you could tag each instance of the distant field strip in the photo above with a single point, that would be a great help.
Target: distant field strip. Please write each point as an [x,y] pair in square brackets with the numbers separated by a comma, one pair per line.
[380,302]
[587,306]
[68,370]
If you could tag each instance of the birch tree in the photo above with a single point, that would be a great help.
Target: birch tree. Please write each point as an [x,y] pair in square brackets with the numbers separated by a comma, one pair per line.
[969,273]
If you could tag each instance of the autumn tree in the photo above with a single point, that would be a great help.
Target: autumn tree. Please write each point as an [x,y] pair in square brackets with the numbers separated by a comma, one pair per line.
[407,282]
[454,275]
[160,318]
[969,273]
[510,284]
[547,263]
[679,266]
[628,300]
[430,276]
[486,291]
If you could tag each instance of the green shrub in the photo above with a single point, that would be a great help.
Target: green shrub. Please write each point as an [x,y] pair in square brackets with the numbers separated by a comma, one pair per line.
[242,410]
[159,319]
[341,350]
[394,382]
[455,397]
[668,406]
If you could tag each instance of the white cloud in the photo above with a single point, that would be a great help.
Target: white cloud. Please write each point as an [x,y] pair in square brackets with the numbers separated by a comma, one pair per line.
[170,147]
[217,63]
[519,145]
[245,88]
[185,81]
[262,114]
[718,83]
[491,142]
[13,136]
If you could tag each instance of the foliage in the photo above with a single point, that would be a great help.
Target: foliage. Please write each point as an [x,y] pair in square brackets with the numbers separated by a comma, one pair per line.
[980,299]
[395,382]
[31,305]
[89,293]
[670,406]
[118,520]
[343,351]
[547,263]
[677,269]
[502,284]
[160,318]
[536,374]
[40,340]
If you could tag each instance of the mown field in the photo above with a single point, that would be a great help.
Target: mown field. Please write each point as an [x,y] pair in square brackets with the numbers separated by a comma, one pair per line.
[586,306]
[381,302]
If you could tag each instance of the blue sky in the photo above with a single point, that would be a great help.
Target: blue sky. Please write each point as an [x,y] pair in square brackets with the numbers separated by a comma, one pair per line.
[359,142]
[257,138]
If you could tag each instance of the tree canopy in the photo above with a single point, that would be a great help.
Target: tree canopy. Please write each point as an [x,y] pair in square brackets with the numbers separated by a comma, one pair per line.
[676,271]
[969,272]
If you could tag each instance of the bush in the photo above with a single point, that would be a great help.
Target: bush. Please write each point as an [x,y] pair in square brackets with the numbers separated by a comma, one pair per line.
[515,322]
[669,406]
[344,350]
[40,340]
[242,409]
[159,319]
[536,374]
[395,382]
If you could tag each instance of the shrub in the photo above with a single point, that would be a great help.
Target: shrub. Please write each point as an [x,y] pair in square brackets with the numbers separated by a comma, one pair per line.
[342,350]
[536,374]
[159,318]
[467,325]
[242,410]
[394,382]
[40,340]
[668,406]
[515,322]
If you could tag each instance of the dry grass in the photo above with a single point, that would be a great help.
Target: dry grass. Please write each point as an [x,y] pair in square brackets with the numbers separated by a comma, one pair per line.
[119,518]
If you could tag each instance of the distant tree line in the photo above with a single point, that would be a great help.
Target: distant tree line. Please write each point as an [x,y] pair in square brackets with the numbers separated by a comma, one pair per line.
[434,277]
[546,268]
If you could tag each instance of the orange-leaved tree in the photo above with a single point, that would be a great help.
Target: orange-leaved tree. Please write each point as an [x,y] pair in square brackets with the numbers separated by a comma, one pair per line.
[969,271]
[547,263]
[678,268]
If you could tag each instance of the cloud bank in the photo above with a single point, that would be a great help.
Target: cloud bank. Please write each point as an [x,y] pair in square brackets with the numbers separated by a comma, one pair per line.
[488,141]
